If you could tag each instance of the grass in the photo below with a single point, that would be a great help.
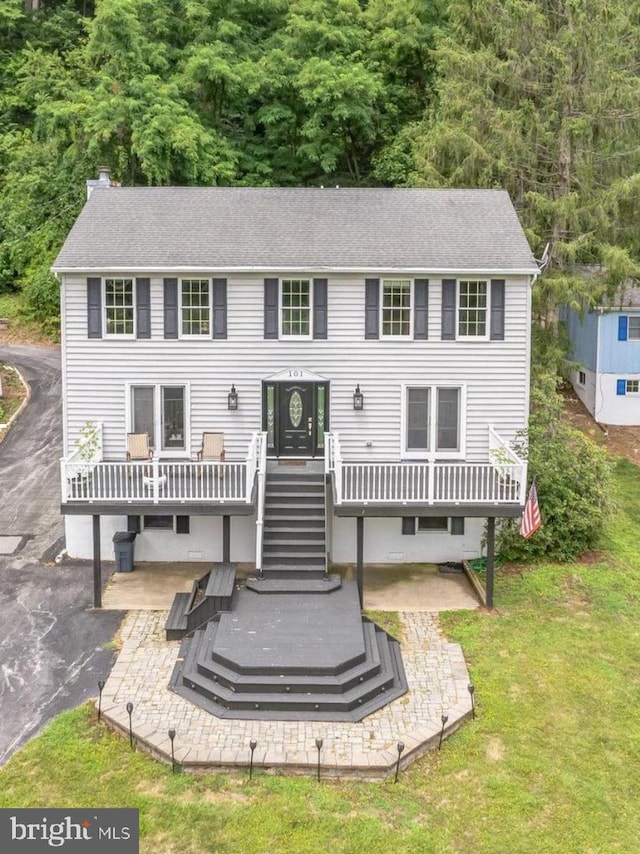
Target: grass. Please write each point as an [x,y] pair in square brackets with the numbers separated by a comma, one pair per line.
[21,330]
[13,393]
[550,764]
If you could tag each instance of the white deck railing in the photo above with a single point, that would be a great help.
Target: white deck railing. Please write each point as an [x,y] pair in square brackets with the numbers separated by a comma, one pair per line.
[159,481]
[501,480]
[260,498]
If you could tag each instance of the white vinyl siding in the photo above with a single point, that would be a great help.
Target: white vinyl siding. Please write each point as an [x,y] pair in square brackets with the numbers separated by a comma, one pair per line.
[495,373]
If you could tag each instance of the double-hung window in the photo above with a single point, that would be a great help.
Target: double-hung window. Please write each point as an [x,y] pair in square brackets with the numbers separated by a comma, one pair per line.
[396,308]
[633,327]
[160,411]
[119,307]
[433,421]
[473,307]
[195,307]
[295,308]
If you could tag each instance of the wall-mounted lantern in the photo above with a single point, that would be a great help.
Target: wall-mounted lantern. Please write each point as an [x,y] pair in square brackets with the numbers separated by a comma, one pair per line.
[358,399]
[232,398]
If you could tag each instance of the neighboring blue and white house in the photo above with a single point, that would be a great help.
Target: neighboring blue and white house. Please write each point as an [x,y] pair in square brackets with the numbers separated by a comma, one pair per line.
[605,345]
[382,333]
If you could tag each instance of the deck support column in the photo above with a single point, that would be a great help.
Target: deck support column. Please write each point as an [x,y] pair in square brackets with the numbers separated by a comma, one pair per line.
[226,539]
[359,558]
[97,568]
[491,544]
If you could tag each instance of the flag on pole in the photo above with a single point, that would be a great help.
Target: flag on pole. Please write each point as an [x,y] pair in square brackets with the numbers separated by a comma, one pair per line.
[531,520]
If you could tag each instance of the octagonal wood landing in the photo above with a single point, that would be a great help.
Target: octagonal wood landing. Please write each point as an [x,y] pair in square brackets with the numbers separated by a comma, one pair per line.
[291,656]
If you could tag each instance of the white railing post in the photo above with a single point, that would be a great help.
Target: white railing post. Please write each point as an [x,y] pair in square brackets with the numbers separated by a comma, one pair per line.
[337,468]
[431,482]
[262,478]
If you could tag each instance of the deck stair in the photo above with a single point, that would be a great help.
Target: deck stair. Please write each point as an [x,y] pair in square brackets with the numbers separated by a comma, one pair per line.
[294,526]
[209,596]
[302,652]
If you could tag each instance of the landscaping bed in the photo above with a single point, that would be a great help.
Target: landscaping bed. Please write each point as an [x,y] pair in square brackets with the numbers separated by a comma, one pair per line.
[13,394]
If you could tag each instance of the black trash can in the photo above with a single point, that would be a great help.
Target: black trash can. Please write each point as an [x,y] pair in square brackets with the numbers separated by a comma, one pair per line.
[123,543]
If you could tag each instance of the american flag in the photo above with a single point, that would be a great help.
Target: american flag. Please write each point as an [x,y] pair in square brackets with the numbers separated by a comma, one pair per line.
[531,520]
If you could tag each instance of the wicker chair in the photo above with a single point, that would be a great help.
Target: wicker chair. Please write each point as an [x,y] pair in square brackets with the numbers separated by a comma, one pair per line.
[212,447]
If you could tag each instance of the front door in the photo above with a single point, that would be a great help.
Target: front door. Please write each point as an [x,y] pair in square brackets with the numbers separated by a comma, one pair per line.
[295,418]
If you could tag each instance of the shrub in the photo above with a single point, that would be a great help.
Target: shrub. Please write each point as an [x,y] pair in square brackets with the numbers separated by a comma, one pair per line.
[573,481]
[42,299]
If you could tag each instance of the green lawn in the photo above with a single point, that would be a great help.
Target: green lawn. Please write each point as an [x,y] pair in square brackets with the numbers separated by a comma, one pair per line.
[550,765]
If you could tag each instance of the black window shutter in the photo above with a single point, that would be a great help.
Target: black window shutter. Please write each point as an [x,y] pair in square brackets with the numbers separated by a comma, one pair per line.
[170,308]
[421,309]
[408,524]
[372,308]
[320,308]
[182,524]
[219,303]
[143,308]
[94,308]
[133,524]
[271,308]
[497,309]
[457,525]
[448,309]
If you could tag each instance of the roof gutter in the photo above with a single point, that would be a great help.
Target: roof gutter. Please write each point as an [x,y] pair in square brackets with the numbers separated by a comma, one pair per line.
[518,271]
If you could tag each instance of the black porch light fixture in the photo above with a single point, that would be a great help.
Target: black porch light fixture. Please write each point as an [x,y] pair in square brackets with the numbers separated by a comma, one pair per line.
[232,398]
[358,399]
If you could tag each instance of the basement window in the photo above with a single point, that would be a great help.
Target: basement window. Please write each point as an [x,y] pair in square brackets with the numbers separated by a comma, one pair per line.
[432,523]
[582,378]
[158,523]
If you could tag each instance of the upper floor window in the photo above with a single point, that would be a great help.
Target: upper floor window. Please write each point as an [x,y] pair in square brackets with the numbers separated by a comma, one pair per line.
[119,307]
[195,307]
[472,309]
[396,308]
[295,308]
[633,328]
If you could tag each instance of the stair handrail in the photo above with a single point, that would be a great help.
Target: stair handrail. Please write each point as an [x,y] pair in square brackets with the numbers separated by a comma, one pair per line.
[262,480]
[333,463]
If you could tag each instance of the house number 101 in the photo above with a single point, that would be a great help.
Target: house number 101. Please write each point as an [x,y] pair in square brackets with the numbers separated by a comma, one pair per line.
[295,373]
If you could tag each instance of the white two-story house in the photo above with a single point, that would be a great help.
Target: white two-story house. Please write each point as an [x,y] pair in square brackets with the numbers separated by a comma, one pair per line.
[381,336]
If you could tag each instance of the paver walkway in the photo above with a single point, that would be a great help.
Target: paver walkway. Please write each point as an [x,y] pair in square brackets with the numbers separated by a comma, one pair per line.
[438,685]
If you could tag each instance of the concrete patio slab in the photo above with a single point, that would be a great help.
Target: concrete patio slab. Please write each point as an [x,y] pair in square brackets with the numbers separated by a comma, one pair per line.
[410,588]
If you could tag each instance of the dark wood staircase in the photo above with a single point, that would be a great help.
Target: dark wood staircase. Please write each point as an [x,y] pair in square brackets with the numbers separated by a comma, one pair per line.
[294,526]
[301,652]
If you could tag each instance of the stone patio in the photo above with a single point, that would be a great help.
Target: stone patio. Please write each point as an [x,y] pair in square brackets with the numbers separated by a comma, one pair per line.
[438,685]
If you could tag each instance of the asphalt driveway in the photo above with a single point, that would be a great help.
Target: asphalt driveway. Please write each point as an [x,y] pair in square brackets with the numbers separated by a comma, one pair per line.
[52,645]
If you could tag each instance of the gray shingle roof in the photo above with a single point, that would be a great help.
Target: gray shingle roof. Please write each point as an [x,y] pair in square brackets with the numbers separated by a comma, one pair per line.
[227,228]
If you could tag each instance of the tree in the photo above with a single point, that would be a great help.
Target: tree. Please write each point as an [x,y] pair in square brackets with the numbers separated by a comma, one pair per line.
[542,97]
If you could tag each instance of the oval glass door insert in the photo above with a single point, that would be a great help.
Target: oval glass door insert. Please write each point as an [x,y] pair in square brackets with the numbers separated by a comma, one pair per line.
[295,409]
